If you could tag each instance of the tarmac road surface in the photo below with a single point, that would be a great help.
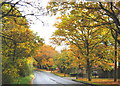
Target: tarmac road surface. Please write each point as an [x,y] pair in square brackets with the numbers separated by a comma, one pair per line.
[49,79]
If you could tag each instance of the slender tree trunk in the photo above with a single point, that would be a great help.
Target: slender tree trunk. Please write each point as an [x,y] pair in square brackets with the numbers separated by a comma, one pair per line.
[77,76]
[115,59]
[88,62]
[14,52]
[89,76]
[118,70]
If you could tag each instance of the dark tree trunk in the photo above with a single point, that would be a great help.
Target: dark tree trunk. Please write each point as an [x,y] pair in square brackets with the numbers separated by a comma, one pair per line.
[89,75]
[88,62]
[115,59]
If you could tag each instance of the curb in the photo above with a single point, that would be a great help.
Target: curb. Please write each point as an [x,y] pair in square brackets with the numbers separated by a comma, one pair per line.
[84,83]
[31,84]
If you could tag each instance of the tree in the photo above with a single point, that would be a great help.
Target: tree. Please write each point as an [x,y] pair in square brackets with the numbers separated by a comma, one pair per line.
[45,56]
[109,10]
[101,13]
[87,39]
[23,7]
[66,61]
[18,43]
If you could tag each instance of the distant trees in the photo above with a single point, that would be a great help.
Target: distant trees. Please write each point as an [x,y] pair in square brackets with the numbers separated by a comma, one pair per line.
[44,56]
[66,61]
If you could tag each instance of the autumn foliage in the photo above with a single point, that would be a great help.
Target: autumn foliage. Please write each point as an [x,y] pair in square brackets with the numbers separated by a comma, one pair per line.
[44,56]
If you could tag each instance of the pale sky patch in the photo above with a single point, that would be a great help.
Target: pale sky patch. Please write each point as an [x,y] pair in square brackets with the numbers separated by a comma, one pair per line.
[46,29]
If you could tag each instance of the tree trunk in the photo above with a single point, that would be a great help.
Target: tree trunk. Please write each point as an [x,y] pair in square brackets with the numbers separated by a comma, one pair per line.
[89,75]
[88,62]
[77,76]
[118,70]
[115,59]
[14,52]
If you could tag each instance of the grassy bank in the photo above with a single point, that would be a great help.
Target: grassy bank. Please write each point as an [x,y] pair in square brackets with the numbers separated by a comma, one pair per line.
[96,81]
[24,80]
[99,82]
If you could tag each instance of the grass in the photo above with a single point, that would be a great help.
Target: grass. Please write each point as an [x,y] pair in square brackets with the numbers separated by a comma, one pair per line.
[95,81]
[60,74]
[39,69]
[56,73]
[100,82]
[24,80]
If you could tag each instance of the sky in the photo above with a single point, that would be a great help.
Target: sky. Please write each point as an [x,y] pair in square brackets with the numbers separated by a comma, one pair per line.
[46,30]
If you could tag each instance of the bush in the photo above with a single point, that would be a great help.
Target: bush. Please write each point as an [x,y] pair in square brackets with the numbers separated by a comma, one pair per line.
[9,75]
[76,74]
[106,74]
[9,70]
[24,68]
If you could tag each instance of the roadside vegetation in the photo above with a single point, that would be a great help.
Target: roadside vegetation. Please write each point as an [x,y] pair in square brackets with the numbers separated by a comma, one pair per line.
[18,46]
[93,38]
[99,81]
[24,80]
[95,81]
[60,74]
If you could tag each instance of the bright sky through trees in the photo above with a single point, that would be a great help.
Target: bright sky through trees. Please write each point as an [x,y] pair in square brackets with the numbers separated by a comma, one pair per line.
[46,29]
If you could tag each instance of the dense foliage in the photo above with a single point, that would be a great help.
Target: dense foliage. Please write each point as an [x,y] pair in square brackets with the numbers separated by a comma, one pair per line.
[44,56]
[18,45]
[94,28]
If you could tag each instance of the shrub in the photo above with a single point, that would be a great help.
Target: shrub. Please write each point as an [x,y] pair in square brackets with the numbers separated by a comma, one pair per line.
[24,68]
[9,74]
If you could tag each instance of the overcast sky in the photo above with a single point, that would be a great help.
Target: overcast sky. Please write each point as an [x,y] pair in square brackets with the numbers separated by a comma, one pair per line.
[45,30]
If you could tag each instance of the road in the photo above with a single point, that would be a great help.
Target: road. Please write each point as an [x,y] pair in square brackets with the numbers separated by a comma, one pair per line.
[49,79]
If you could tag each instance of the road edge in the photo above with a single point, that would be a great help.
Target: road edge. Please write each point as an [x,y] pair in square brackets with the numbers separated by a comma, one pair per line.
[31,84]
[84,82]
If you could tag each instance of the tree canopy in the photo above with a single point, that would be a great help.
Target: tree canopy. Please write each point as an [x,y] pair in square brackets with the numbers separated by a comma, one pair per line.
[18,44]
[91,27]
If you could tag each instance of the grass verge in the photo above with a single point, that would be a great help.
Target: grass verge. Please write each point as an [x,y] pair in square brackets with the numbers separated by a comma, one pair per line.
[40,69]
[60,74]
[99,82]
[94,82]
[24,80]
